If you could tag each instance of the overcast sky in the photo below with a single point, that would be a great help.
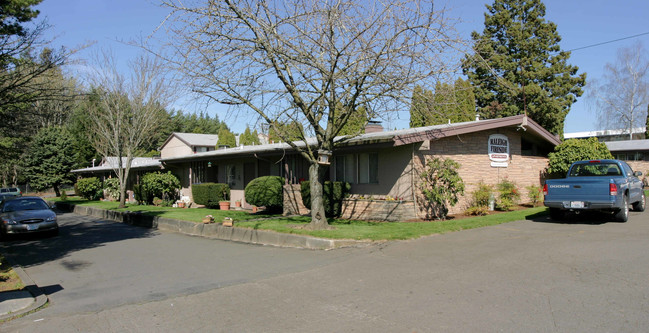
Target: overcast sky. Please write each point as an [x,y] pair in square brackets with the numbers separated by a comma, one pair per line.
[580,23]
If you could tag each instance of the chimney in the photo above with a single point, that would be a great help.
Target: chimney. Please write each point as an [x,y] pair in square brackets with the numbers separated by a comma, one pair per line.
[373,126]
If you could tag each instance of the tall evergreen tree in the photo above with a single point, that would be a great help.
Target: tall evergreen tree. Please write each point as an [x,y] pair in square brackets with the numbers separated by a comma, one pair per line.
[450,102]
[48,162]
[519,67]
[226,138]
[418,108]
[249,138]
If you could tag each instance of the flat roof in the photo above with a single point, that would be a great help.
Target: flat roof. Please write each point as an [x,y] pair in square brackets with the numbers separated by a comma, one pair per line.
[628,145]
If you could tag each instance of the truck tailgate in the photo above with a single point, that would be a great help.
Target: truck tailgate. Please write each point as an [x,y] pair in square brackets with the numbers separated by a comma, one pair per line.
[583,189]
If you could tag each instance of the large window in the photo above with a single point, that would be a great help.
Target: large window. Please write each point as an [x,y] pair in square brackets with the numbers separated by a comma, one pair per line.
[357,168]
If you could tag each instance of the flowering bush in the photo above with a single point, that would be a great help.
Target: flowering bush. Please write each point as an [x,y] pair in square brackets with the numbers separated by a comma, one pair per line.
[509,195]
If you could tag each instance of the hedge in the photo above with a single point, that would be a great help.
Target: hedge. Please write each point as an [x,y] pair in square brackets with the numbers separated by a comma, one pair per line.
[333,195]
[209,194]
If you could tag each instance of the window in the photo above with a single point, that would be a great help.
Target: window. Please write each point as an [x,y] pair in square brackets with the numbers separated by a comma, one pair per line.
[368,164]
[344,168]
[357,168]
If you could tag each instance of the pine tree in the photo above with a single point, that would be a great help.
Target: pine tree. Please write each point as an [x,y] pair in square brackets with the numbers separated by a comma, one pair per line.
[519,67]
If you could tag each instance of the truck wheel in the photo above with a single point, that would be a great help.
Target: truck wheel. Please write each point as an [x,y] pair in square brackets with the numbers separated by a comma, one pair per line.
[640,205]
[556,214]
[623,214]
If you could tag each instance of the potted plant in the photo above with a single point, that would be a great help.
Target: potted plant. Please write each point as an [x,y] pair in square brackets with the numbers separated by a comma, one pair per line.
[237,203]
[225,203]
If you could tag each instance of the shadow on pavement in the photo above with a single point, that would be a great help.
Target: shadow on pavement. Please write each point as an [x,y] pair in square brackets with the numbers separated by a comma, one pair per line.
[592,218]
[76,232]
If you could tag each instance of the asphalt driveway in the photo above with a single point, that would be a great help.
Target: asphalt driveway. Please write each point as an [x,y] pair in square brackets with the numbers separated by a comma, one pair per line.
[525,276]
[95,264]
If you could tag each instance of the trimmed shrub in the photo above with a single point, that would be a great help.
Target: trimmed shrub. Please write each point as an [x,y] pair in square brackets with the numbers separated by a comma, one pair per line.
[89,188]
[111,186]
[209,194]
[161,185]
[64,196]
[266,191]
[333,195]
[141,195]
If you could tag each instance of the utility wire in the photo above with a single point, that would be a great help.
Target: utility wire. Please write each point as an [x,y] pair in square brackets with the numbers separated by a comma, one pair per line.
[610,41]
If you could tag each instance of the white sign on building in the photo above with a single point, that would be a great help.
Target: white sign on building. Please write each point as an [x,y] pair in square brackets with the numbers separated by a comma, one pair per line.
[498,150]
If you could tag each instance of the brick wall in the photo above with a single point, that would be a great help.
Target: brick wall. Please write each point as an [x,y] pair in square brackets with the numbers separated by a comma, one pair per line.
[293,200]
[471,152]
[381,210]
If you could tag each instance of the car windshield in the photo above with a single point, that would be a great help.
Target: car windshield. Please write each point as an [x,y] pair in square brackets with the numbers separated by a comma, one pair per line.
[29,204]
[595,169]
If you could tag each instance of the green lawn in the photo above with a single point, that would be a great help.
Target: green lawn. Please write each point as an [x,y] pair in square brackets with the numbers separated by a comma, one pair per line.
[186,214]
[343,229]
[348,229]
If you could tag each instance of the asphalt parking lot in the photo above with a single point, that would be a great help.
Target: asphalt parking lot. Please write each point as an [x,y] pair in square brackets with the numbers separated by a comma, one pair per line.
[581,275]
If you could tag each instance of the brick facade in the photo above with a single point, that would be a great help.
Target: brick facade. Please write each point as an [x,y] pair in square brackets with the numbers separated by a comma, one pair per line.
[471,152]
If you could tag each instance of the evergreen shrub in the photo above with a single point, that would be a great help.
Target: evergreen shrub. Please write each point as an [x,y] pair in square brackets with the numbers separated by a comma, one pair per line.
[89,188]
[266,191]
[209,194]
[333,195]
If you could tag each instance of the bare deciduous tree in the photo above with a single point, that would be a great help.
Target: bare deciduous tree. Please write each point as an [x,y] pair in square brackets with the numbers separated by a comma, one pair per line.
[125,112]
[311,62]
[622,96]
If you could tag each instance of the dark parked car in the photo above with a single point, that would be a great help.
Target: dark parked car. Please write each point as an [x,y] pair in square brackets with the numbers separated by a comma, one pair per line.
[22,215]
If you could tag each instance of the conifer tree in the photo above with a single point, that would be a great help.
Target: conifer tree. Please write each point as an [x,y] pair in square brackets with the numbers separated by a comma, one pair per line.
[519,67]
[450,102]
[226,138]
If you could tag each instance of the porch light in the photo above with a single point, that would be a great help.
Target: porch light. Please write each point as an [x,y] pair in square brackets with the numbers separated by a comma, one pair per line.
[209,164]
[324,157]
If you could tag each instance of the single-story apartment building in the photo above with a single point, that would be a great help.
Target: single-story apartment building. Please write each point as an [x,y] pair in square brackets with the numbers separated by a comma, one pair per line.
[383,167]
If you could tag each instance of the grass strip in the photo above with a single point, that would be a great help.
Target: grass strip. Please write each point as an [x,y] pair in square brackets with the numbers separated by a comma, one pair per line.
[361,230]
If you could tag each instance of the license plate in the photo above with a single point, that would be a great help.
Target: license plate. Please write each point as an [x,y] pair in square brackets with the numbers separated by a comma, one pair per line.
[31,227]
[576,204]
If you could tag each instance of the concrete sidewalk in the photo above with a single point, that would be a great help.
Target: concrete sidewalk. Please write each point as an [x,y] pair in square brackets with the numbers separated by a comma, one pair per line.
[17,303]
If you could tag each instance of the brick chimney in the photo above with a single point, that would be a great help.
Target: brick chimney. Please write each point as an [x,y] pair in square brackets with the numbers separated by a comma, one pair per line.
[373,126]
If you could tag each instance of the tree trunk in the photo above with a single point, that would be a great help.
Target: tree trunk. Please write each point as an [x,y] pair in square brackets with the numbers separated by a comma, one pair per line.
[57,192]
[122,195]
[318,218]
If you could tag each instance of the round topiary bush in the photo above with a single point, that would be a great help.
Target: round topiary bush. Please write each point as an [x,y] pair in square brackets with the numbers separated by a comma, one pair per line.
[266,191]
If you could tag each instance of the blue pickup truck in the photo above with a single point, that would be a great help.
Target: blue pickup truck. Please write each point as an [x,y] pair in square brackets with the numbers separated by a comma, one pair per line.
[601,185]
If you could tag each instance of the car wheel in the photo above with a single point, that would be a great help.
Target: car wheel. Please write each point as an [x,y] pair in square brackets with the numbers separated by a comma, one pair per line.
[623,214]
[640,205]
[556,214]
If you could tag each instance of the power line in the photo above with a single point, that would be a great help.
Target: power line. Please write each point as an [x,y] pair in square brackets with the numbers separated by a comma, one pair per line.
[610,41]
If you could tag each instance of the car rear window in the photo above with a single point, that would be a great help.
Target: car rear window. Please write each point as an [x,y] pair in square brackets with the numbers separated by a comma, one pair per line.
[595,169]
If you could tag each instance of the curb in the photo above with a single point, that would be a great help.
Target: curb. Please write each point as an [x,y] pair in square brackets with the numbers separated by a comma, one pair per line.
[216,230]
[40,299]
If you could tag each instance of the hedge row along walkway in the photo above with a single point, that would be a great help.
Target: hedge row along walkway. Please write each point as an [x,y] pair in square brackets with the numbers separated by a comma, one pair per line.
[214,230]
